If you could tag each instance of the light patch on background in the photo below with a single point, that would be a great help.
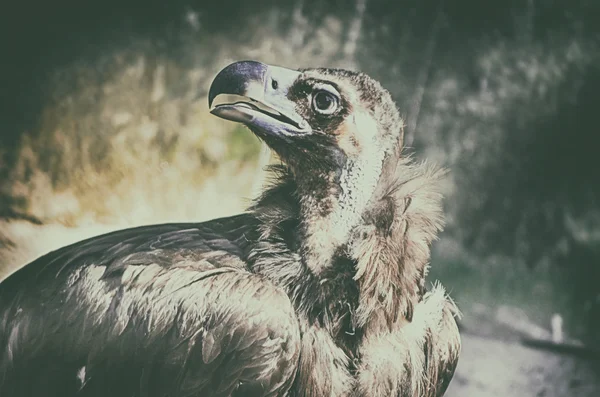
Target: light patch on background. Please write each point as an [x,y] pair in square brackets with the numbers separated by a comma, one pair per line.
[131,147]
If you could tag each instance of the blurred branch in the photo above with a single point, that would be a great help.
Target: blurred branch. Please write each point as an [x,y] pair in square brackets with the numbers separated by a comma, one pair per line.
[349,49]
[524,22]
[586,352]
[297,33]
[422,78]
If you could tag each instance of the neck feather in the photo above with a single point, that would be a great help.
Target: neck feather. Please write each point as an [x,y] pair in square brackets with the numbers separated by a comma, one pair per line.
[385,227]
[328,219]
[391,247]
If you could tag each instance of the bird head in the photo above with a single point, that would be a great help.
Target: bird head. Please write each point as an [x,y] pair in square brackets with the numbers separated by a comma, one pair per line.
[320,122]
[348,186]
[339,132]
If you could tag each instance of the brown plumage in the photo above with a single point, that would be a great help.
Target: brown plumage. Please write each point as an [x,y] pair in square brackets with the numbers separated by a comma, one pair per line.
[363,208]
[318,290]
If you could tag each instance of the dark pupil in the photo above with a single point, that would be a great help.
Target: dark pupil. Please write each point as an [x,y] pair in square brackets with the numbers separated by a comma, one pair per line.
[323,101]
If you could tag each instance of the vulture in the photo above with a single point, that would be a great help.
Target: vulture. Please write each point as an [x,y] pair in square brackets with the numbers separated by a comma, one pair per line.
[317,290]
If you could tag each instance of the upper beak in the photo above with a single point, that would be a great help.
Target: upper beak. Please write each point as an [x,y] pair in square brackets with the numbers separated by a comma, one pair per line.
[265,106]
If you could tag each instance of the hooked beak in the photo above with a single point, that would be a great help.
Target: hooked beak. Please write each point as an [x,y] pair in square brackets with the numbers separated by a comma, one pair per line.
[260,101]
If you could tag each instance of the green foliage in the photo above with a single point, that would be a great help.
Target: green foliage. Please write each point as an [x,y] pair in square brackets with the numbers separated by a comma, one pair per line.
[107,146]
[242,145]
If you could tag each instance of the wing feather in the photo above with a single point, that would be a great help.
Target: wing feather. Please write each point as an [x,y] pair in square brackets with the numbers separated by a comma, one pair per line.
[165,310]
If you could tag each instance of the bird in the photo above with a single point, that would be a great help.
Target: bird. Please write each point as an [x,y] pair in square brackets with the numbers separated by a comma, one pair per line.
[317,289]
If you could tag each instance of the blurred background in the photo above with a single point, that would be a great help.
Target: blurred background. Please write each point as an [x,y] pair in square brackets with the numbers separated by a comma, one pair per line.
[104,125]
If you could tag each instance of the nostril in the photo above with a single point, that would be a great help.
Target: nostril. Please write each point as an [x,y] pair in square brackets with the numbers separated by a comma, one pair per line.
[274,84]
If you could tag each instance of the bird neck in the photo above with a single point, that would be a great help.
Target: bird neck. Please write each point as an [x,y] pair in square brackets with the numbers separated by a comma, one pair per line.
[391,247]
[384,219]
[388,243]
[332,206]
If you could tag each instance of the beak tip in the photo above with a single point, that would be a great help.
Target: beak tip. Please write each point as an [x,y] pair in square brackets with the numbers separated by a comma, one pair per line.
[233,78]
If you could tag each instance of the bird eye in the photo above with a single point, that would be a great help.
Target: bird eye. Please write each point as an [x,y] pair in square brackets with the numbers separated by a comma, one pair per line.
[324,102]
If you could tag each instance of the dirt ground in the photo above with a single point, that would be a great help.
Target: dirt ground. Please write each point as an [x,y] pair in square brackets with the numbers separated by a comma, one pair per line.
[498,368]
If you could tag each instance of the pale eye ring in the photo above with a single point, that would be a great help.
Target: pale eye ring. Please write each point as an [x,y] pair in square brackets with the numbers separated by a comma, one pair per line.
[324,102]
